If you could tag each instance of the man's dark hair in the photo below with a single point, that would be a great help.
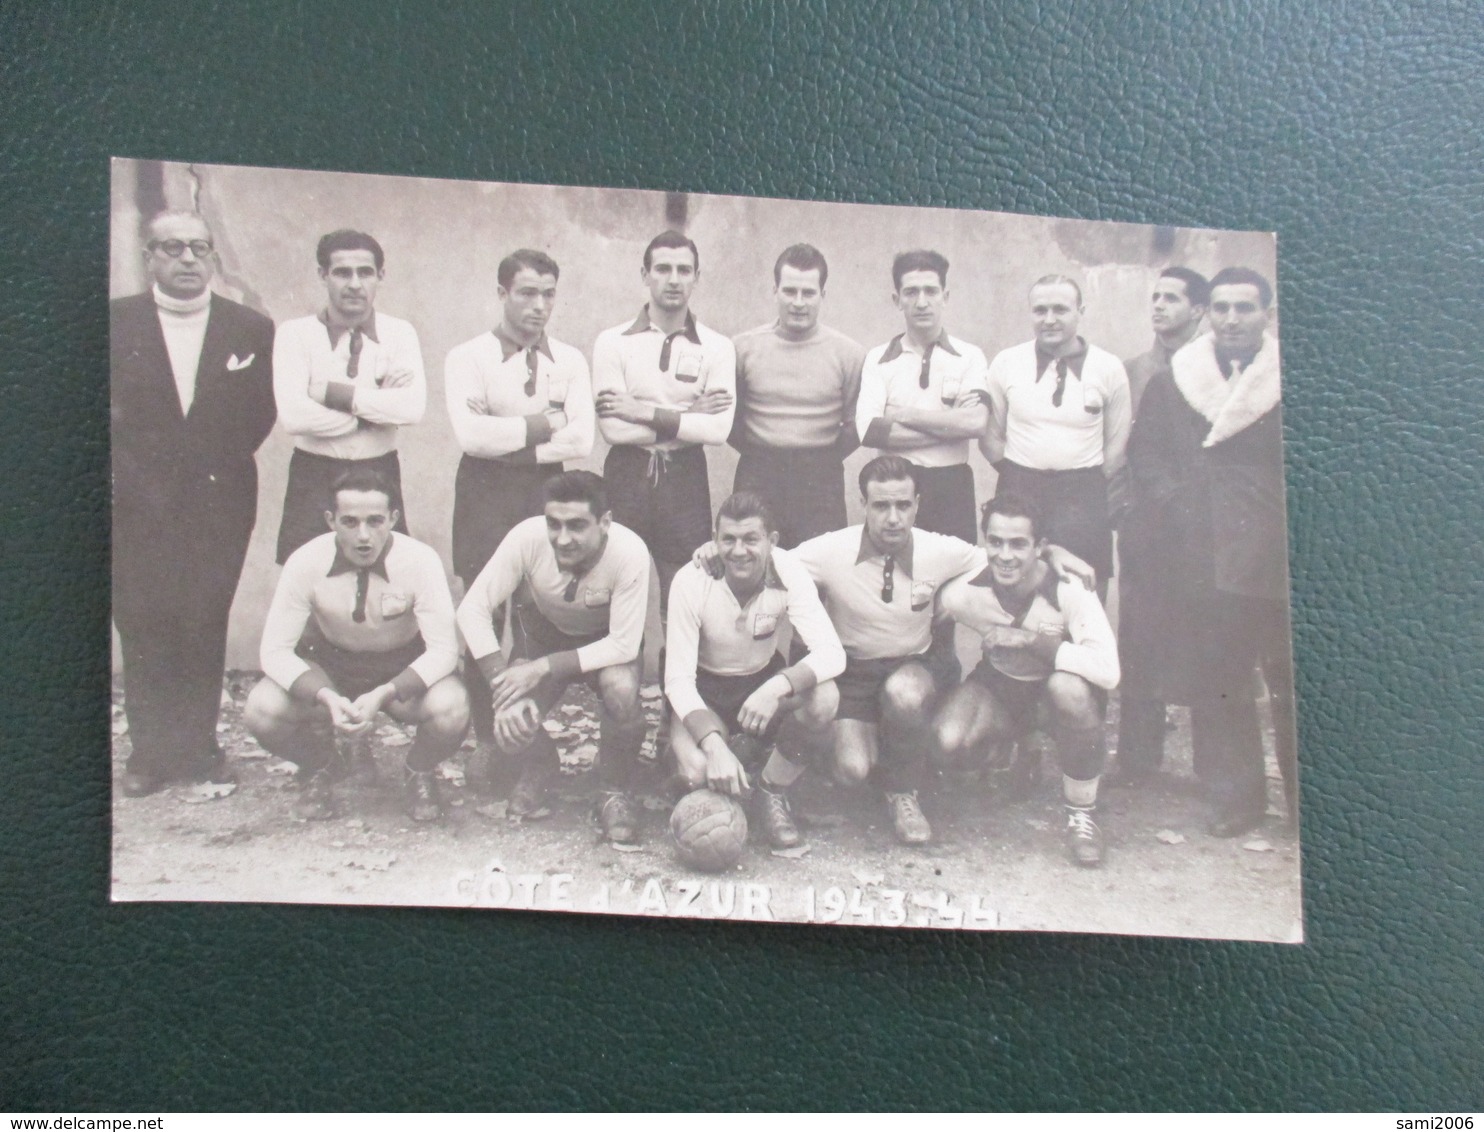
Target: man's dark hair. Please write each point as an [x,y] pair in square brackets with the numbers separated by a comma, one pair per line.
[577,487]
[1235,276]
[1050,280]
[801,257]
[361,479]
[671,239]
[1011,506]
[888,469]
[539,262]
[743,505]
[1197,289]
[920,260]
[348,240]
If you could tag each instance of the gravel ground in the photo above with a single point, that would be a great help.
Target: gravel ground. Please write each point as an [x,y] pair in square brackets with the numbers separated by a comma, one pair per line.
[997,861]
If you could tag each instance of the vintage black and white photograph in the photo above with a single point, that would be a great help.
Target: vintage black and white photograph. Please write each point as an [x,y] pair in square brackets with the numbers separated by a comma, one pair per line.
[512,546]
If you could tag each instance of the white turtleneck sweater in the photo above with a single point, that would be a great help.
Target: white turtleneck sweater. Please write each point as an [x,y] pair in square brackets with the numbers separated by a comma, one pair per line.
[183,322]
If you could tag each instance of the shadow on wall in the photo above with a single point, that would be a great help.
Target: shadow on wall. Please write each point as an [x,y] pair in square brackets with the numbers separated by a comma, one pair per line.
[444,240]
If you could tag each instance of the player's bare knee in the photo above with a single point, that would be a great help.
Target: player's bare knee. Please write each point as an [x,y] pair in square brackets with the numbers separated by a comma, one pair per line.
[267,709]
[619,688]
[907,693]
[445,706]
[1072,699]
[690,763]
[852,765]
[819,706]
[951,735]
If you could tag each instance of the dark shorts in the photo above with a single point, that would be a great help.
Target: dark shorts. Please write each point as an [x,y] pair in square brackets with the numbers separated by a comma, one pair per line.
[1020,699]
[665,500]
[534,636]
[861,683]
[489,498]
[1074,510]
[353,674]
[805,487]
[307,497]
[725,695]
[947,505]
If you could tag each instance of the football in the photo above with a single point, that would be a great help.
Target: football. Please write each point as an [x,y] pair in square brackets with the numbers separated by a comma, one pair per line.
[709,829]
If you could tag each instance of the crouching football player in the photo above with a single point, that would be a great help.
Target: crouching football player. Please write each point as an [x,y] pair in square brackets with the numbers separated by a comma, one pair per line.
[361,622]
[725,673]
[579,584]
[1045,641]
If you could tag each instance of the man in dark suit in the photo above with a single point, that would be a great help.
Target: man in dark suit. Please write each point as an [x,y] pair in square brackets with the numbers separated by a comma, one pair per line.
[191,401]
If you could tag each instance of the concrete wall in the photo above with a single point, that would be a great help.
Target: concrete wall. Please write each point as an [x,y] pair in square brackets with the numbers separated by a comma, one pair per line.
[444,239]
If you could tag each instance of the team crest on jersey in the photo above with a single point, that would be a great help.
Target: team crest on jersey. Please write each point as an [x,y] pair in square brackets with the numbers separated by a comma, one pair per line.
[764,625]
[922,595]
[394,604]
[687,366]
[595,598]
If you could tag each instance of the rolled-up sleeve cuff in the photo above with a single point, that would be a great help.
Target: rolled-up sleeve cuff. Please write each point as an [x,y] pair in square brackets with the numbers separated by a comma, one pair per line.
[565,665]
[666,424]
[877,433]
[409,684]
[703,722]
[309,684]
[538,429]
[801,677]
[340,395]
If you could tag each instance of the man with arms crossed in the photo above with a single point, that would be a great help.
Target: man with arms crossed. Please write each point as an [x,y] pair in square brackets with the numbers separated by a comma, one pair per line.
[191,385]
[361,622]
[521,403]
[1059,422]
[344,379]
[665,387]
[1044,640]
[580,586]
[797,384]
[923,396]
[725,674]
[1207,463]
[1178,305]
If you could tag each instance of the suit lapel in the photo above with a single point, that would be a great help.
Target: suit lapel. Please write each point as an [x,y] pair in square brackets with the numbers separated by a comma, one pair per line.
[211,371]
[154,372]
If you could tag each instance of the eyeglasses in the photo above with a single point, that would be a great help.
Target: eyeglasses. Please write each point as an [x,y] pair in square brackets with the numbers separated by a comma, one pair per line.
[177,248]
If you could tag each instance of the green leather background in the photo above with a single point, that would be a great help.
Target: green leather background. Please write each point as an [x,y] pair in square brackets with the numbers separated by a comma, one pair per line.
[1353,130]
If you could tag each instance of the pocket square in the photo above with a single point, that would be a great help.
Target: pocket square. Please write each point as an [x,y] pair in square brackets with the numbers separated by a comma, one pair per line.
[236,363]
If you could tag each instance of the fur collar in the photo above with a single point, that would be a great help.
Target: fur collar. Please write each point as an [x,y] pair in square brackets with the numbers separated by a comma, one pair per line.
[1230,406]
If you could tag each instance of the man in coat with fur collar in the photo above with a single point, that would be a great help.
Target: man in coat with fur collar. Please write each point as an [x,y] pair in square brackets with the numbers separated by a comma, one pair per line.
[1207,466]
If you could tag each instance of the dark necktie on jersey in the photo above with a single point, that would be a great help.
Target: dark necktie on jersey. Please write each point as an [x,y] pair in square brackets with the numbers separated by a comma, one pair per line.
[353,365]
[665,349]
[531,371]
[927,366]
[888,578]
[363,584]
[1061,380]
